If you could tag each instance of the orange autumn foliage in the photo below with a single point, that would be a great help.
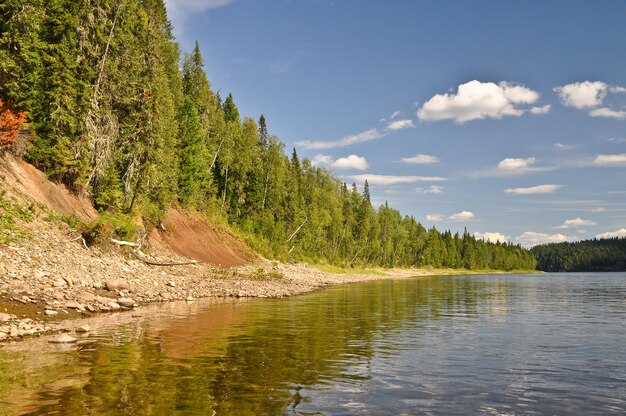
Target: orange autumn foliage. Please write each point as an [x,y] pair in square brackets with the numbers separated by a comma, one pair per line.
[10,123]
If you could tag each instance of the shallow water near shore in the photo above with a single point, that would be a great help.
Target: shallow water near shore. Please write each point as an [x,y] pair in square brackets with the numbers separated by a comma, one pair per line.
[482,344]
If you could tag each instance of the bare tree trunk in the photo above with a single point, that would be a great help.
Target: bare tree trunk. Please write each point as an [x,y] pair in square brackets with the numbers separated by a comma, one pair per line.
[216,153]
[225,188]
[297,229]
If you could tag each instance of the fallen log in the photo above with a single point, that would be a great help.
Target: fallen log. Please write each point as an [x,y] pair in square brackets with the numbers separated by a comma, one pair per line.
[141,256]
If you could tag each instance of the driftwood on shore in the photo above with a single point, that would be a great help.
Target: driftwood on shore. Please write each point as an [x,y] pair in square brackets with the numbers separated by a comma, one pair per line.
[141,256]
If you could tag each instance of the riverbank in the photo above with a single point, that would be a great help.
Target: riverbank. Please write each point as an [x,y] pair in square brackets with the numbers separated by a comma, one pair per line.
[51,277]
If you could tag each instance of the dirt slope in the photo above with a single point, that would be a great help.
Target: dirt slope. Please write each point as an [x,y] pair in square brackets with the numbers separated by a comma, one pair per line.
[186,234]
[189,235]
[22,179]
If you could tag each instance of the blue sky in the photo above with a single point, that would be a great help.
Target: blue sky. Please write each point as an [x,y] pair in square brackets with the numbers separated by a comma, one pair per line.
[508,118]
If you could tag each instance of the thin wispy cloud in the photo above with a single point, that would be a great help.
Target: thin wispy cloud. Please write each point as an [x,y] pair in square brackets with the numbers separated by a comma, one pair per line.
[421,159]
[349,162]
[180,10]
[459,216]
[576,222]
[610,160]
[516,164]
[617,140]
[363,137]
[400,124]
[492,237]
[532,238]
[395,114]
[433,189]
[561,146]
[385,180]
[608,113]
[477,100]
[533,190]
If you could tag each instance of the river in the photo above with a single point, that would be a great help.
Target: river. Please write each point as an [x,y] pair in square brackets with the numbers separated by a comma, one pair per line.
[443,345]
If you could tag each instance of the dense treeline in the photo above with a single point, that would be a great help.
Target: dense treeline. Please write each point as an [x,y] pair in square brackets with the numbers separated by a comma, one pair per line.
[595,255]
[117,113]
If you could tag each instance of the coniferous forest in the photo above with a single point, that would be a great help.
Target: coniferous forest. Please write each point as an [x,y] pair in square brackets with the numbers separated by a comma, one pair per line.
[116,111]
[604,255]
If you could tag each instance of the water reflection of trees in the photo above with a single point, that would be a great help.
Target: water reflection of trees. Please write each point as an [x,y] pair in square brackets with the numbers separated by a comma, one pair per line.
[255,361]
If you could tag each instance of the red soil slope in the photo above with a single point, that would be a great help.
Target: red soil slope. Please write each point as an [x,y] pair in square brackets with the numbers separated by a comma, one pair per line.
[186,234]
[20,178]
[189,235]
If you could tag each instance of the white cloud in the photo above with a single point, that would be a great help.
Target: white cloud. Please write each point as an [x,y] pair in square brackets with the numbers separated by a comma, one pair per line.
[618,89]
[400,124]
[459,216]
[610,160]
[394,179]
[477,100]
[598,209]
[576,222]
[395,114]
[617,140]
[365,136]
[608,113]
[584,94]
[531,238]
[349,162]
[434,189]
[515,164]
[421,159]
[533,190]
[541,110]
[612,234]
[462,216]
[492,237]
[561,146]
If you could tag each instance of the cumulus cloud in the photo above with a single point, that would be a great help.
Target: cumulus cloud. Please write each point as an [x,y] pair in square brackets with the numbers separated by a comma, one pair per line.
[393,179]
[400,124]
[349,162]
[433,189]
[531,238]
[541,110]
[588,95]
[582,95]
[576,222]
[477,100]
[606,112]
[492,237]
[612,234]
[515,164]
[459,216]
[364,136]
[610,160]
[421,159]
[533,190]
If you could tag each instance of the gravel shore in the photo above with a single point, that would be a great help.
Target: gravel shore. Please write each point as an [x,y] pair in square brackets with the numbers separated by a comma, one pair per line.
[53,278]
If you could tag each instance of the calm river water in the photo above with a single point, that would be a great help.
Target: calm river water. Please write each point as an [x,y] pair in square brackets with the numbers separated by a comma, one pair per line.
[462,345]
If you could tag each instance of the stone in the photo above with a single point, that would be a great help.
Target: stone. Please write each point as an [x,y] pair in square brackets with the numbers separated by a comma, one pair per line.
[171,284]
[3,336]
[63,339]
[83,328]
[113,305]
[4,317]
[59,283]
[117,284]
[73,305]
[50,312]
[126,302]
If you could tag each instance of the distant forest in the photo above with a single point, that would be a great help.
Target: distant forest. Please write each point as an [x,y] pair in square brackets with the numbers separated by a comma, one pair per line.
[118,113]
[604,255]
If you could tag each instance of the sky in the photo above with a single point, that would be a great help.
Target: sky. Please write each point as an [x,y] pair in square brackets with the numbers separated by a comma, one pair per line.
[507,118]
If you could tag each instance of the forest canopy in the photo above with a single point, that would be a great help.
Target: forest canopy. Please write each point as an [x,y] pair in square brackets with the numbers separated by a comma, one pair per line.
[597,255]
[116,111]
